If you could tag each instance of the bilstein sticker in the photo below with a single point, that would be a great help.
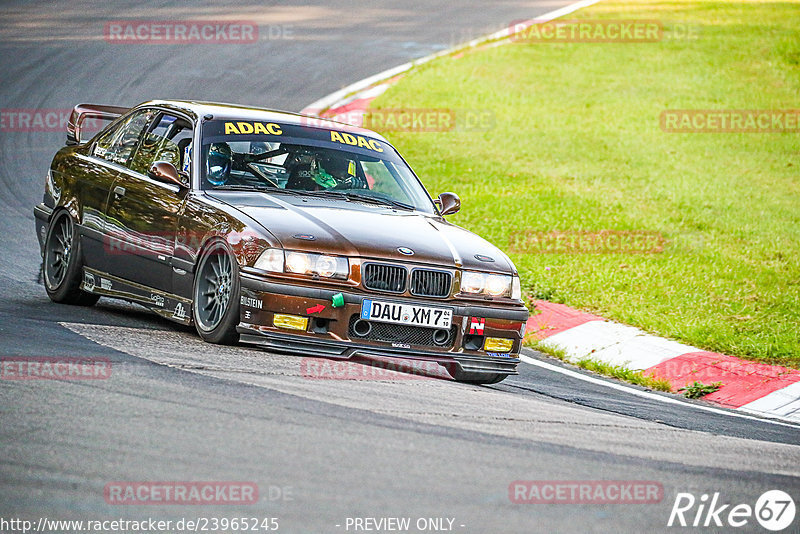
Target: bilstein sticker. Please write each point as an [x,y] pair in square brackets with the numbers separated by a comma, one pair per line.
[355,140]
[269,128]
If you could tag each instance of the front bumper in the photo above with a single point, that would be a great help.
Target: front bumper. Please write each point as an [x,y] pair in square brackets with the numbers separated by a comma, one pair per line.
[330,332]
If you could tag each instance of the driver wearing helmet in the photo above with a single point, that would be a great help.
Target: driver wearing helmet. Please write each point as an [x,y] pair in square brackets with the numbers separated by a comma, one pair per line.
[336,172]
[219,163]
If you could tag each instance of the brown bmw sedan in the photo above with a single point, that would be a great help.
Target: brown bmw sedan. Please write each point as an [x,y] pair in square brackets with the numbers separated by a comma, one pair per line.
[290,232]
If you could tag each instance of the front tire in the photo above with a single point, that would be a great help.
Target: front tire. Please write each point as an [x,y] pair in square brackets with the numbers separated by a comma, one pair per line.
[62,263]
[216,295]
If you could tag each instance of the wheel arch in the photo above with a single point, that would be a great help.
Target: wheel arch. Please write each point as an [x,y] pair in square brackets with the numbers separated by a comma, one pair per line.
[230,316]
[245,245]
[70,208]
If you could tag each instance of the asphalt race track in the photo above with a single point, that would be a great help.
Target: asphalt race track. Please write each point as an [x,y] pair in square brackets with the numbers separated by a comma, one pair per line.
[320,451]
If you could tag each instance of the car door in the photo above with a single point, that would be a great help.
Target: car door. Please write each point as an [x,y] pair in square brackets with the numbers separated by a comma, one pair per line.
[98,171]
[142,214]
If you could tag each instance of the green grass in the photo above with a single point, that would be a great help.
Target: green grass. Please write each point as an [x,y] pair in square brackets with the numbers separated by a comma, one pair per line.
[698,389]
[614,371]
[576,146]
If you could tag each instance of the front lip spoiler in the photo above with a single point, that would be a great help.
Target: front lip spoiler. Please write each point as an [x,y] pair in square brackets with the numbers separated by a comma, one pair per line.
[326,348]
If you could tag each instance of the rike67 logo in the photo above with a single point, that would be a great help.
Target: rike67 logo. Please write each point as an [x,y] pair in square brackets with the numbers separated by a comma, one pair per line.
[774,510]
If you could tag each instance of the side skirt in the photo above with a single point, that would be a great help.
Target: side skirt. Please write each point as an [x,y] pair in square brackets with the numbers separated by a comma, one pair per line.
[166,305]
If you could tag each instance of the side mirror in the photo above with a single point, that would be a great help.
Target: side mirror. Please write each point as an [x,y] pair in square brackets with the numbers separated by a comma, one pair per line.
[448,203]
[165,172]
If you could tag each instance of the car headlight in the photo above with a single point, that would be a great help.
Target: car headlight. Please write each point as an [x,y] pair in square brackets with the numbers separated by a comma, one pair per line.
[270,260]
[322,265]
[297,262]
[495,285]
[472,282]
[516,289]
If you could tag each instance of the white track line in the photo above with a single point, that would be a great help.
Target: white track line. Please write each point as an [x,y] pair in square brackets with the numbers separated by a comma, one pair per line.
[337,96]
[784,402]
[330,100]
[645,394]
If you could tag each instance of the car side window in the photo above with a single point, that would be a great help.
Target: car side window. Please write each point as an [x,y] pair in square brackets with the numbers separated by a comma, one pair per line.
[166,139]
[118,144]
[381,180]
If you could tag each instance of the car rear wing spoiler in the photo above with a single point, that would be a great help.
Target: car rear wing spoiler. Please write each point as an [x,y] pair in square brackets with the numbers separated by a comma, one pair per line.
[96,113]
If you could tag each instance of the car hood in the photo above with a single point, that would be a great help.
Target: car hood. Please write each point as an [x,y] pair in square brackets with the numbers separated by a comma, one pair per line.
[367,231]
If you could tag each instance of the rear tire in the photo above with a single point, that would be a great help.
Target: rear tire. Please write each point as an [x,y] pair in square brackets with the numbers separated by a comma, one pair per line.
[215,307]
[62,268]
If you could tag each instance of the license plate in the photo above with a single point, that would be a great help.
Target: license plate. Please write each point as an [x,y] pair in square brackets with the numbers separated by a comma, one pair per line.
[410,314]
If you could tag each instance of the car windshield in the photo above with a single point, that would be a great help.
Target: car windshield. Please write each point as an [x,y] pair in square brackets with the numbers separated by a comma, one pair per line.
[308,161]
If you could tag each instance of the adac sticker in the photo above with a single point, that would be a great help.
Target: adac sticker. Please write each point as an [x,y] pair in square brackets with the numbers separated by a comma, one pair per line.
[244,127]
[355,140]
